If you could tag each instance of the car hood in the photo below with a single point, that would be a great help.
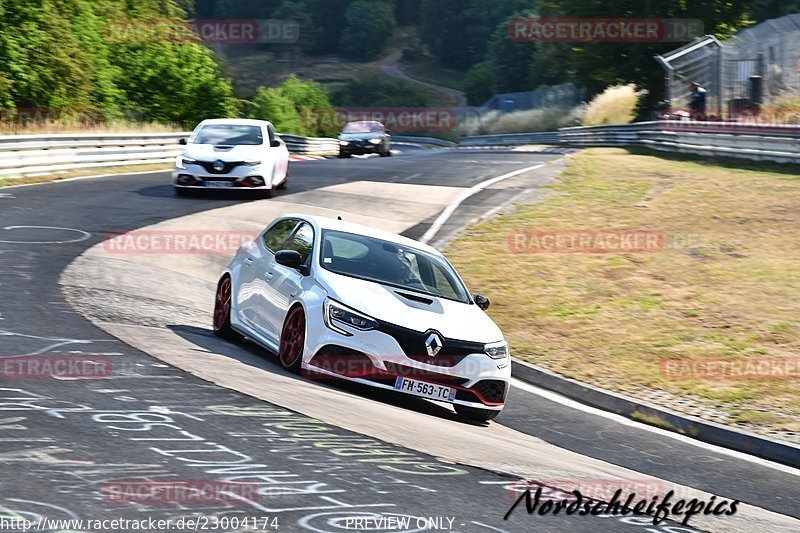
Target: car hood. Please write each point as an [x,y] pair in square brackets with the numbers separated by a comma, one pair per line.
[360,136]
[210,152]
[454,320]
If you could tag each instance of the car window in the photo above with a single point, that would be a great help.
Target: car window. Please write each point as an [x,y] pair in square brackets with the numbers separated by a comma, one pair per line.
[343,248]
[302,241]
[390,263]
[229,134]
[276,236]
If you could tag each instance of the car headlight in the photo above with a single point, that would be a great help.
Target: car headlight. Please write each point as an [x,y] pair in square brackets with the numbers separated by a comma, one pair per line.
[335,313]
[375,141]
[181,162]
[344,143]
[496,350]
[252,163]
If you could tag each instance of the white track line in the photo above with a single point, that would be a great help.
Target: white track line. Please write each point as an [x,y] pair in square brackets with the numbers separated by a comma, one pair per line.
[445,215]
[638,425]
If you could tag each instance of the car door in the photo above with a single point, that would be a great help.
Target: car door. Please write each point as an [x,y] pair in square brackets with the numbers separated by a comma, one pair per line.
[253,291]
[285,282]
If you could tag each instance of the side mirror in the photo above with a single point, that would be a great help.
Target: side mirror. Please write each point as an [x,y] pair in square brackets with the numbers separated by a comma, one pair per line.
[291,259]
[182,140]
[482,301]
[275,143]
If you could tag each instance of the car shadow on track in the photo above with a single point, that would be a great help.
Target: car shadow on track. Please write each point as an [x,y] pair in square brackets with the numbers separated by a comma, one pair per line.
[254,355]
[168,191]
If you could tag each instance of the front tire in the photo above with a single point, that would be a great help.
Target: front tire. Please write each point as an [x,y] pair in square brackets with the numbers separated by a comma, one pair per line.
[475,414]
[222,311]
[293,339]
[344,155]
[268,193]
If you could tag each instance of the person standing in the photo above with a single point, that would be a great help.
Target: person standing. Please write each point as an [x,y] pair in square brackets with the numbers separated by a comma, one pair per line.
[697,102]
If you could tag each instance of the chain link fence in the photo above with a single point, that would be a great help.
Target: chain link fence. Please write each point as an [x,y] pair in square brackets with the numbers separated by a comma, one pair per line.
[759,64]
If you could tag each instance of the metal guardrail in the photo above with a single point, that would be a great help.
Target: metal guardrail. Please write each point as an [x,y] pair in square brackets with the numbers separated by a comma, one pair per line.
[765,142]
[511,139]
[22,155]
[433,141]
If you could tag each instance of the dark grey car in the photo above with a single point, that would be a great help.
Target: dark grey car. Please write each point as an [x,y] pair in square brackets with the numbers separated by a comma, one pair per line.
[364,137]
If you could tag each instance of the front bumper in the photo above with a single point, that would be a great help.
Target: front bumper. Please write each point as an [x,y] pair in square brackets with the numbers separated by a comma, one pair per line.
[237,178]
[359,149]
[376,358]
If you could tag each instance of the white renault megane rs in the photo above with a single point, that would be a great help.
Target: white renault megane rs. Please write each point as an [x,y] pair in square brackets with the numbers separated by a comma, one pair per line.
[234,154]
[347,301]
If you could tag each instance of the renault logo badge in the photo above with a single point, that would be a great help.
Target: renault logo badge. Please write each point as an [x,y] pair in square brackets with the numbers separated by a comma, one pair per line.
[433,344]
[219,165]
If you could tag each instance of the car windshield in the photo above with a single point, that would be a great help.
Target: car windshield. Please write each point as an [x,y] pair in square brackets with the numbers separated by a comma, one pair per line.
[361,127]
[229,134]
[389,263]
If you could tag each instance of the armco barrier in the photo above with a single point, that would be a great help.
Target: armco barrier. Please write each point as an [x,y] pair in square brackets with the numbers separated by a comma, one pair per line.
[22,155]
[511,139]
[765,142]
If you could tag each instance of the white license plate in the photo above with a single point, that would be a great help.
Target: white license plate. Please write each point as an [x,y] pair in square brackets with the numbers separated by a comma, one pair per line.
[219,184]
[425,389]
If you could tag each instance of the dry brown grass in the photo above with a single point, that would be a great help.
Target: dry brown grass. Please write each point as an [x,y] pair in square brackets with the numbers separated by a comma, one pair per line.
[726,284]
[615,105]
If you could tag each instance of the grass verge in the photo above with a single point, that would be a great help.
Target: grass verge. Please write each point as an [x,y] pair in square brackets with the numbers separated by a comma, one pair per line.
[5,182]
[725,284]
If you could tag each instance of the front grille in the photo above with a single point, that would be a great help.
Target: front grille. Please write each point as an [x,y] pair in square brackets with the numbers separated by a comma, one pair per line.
[413,344]
[492,390]
[209,166]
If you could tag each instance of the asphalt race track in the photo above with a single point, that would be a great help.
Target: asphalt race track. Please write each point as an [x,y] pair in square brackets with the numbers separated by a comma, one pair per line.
[63,441]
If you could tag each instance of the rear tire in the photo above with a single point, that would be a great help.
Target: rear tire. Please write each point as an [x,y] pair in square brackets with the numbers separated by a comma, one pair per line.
[475,414]
[222,311]
[293,340]
[284,184]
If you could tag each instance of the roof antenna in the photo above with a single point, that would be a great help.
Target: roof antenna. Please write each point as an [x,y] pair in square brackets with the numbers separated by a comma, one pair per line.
[338,217]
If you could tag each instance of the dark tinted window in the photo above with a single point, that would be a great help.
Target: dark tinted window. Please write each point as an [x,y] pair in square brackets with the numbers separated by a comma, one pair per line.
[277,235]
[302,241]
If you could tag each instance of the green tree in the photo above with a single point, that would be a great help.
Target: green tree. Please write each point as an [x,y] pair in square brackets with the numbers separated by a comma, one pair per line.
[369,26]
[288,105]
[479,83]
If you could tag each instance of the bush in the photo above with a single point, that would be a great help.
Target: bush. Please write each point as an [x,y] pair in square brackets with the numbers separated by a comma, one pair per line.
[286,105]
[616,105]
[530,121]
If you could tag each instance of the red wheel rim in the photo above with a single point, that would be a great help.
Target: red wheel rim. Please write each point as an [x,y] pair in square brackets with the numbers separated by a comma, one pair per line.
[293,337]
[222,304]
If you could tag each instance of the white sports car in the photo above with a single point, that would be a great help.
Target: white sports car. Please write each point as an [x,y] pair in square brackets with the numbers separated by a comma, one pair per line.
[233,154]
[346,301]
